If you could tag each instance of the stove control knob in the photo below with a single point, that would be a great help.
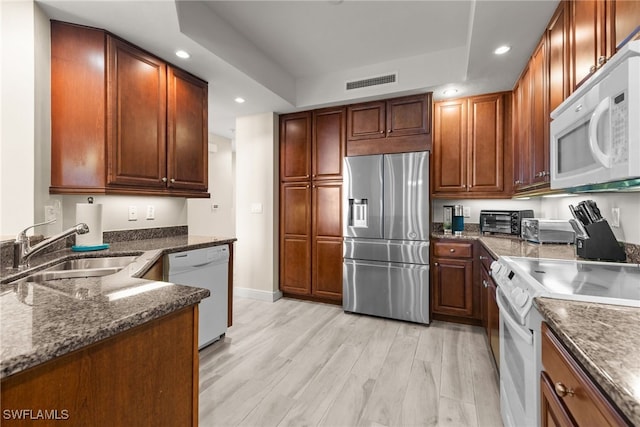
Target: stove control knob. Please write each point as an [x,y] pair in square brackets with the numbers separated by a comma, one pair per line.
[522,299]
[495,267]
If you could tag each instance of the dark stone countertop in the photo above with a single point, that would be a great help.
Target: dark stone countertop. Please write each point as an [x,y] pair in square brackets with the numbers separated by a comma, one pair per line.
[39,322]
[604,339]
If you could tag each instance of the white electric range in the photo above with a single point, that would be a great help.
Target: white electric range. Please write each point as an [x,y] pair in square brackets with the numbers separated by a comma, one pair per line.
[519,281]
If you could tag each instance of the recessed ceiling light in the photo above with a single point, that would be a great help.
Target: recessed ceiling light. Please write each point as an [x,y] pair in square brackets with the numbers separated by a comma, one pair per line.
[449,92]
[502,50]
[183,54]
[239,100]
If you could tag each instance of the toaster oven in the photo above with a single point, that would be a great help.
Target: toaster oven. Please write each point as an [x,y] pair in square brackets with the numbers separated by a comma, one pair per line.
[503,222]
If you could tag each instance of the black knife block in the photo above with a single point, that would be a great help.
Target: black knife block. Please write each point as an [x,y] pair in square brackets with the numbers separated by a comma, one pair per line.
[601,244]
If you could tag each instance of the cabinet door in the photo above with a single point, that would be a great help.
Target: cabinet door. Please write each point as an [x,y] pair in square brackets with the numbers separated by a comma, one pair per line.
[453,287]
[295,238]
[136,116]
[486,143]
[540,115]
[587,38]
[553,413]
[327,240]
[558,38]
[295,146]
[366,121]
[626,18]
[522,145]
[450,146]
[408,116]
[187,136]
[328,143]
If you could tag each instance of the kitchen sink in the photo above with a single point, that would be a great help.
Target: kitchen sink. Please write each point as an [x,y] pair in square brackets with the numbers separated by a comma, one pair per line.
[117,262]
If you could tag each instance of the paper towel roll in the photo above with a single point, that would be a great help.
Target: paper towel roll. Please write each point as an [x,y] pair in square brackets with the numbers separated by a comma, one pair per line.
[90,214]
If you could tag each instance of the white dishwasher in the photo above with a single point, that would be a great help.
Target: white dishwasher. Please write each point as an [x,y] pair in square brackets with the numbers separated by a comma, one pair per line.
[205,268]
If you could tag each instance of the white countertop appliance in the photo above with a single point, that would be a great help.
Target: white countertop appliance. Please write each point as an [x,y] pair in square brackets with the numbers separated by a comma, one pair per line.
[520,280]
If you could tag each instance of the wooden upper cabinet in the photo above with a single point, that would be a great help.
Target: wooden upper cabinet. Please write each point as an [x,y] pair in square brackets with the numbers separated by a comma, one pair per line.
[558,39]
[118,125]
[367,121]
[588,41]
[486,143]
[396,125]
[540,115]
[408,116]
[328,143]
[469,146]
[187,139]
[136,105]
[626,18]
[295,146]
[78,120]
[450,146]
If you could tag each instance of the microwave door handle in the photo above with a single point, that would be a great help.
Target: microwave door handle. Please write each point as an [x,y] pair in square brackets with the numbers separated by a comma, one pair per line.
[599,155]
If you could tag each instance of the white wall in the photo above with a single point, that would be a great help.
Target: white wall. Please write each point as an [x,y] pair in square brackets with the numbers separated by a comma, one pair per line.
[203,218]
[256,185]
[17,119]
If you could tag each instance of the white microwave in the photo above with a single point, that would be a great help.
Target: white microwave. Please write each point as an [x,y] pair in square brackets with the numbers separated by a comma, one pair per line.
[595,132]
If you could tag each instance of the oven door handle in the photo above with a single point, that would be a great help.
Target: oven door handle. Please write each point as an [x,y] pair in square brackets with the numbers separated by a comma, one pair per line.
[528,338]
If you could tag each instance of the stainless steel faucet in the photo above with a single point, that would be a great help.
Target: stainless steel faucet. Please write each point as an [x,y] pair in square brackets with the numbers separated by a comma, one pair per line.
[22,250]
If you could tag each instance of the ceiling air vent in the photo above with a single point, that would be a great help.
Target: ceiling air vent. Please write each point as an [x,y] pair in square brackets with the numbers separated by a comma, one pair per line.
[373,81]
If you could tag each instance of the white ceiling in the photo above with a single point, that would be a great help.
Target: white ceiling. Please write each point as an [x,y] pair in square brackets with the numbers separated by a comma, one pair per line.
[285,56]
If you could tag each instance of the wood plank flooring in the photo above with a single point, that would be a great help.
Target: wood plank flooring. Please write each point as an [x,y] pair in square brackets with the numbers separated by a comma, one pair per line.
[298,363]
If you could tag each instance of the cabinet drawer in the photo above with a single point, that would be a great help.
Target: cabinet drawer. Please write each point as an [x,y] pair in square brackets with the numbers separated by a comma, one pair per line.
[586,404]
[453,249]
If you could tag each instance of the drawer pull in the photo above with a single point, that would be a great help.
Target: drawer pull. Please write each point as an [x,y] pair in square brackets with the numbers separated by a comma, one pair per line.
[452,250]
[484,282]
[436,264]
[483,257]
[562,390]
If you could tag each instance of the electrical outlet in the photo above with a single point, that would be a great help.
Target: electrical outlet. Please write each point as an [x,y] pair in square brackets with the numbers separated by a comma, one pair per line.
[49,213]
[466,211]
[151,212]
[214,207]
[615,217]
[256,208]
[133,213]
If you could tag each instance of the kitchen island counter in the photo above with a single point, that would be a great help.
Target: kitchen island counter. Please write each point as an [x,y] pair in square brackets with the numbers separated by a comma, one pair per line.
[41,322]
[604,339]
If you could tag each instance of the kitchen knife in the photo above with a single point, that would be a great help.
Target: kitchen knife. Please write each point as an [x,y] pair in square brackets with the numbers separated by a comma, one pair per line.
[594,209]
[579,215]
[588,212]
[578,228]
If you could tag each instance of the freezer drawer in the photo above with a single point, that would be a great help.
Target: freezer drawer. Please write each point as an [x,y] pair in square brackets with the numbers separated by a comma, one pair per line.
[401,251]
[393,290]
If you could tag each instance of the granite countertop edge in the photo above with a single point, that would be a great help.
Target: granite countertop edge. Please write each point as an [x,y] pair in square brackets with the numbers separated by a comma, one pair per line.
[623,398]
[46,353]
[148,252]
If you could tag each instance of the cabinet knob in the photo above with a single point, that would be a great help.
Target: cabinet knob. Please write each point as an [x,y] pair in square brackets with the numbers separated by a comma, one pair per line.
[164,179]
[592,69]
[436,264]
[483,257]
[485,284]
[602,60]
[452,250]
[173,180]
[562,390]
[389,131]
[381,131]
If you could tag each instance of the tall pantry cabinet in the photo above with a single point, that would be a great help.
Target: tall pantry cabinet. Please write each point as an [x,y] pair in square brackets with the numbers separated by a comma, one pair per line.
[312,146]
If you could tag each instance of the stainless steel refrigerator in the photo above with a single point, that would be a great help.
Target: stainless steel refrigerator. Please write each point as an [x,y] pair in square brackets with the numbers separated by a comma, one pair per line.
[386,236]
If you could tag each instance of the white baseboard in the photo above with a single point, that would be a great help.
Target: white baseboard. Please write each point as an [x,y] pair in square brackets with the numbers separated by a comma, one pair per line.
[257,294]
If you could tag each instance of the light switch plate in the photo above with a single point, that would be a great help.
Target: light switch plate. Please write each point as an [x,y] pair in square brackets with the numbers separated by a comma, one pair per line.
[615,217]
[256,208]
[151,212]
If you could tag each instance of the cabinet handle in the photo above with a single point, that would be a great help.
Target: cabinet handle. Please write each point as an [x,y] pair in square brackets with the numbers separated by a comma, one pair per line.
[592,69]
[601,60]
[435,264]
[381,131]
[562,390]
[389,131]
[485,284]
[452,250]
[173,180]
[483,257]
[164,179]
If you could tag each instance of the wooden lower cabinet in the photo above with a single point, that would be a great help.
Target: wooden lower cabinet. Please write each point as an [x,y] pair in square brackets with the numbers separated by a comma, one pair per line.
[568,395]
[146,376]
[311,240]
[453,287]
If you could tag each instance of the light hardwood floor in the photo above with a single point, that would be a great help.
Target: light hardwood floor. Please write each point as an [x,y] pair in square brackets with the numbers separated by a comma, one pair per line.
[296,363]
